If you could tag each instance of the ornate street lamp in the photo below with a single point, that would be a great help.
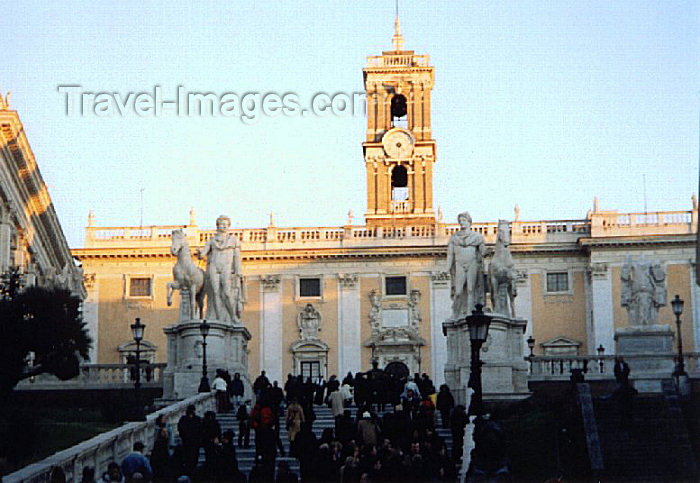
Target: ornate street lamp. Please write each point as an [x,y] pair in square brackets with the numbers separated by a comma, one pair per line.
[531,345]
[137,330]
[600,350]
[677,304]
[478,324]
[204,383]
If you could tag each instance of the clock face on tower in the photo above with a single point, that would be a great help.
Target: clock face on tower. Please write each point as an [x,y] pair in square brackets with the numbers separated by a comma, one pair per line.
[398,143]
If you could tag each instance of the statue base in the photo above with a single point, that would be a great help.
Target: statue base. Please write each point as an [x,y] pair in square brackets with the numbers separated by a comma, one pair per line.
[643,345]
[227,349]
[504,373]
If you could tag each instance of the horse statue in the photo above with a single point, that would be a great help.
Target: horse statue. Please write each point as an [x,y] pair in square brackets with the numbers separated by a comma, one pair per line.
[188,276]
[502,273]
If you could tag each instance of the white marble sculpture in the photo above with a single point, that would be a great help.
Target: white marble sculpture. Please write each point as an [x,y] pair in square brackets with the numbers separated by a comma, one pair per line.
[643,290]
[69,278]
[465,254]
[502,273]
[375,312]
[223,273]
[414,307]
[188,278]
[309,322]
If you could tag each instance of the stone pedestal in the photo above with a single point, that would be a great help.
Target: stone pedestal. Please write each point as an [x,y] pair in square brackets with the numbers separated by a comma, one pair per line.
[227,348]
[649,352]
[504,373]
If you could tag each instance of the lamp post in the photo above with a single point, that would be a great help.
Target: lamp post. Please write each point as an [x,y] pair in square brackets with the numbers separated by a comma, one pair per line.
[600,350]
[677,304]
[531,345]
[478,324]
[204,383]
[137,330]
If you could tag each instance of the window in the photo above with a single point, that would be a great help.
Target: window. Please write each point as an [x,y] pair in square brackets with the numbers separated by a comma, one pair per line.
[310,369]
[140,287]
[558,282]
[399,109]
[399,184]
[309,287]
[395,285]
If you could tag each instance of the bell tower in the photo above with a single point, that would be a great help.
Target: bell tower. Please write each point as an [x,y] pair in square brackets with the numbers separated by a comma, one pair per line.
[399,148]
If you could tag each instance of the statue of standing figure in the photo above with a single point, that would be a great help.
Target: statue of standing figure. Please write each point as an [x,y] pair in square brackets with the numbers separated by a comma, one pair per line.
[224,275]
[465,262]
[643,290]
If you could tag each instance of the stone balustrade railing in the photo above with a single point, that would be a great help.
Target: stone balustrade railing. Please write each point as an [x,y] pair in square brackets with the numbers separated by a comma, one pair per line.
[600,224]
[113,445]
[398,60]
[96,376]
[550,368]
[650,223]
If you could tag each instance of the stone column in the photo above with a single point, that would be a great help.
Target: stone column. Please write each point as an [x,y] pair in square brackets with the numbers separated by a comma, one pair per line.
[602,303]
[349,325]
[440,310]
[695,303]
[5,236]
[419,113]
[523,304]
[418,179]
[271,352]
[91,314]
[381,110]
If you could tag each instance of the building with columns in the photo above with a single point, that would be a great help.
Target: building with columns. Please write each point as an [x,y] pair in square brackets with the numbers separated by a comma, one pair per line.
[31,239]
[329,300]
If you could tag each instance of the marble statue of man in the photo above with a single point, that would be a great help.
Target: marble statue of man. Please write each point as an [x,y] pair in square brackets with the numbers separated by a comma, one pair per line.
[223,273]
[465,262]
[643,290]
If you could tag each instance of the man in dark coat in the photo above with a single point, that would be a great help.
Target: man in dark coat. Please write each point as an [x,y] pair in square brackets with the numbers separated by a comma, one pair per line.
[445,403]
[621,371]
[260,384]
[237,389]
[190,429]
[377,384]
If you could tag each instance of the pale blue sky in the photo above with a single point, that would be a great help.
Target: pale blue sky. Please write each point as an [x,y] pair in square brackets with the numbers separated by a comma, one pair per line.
[543,104]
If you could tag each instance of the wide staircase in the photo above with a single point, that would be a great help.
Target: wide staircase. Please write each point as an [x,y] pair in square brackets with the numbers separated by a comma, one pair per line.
[324,419]
[648,442]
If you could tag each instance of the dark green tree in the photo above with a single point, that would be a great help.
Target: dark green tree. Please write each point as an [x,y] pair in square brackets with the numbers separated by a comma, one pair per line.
[47,322]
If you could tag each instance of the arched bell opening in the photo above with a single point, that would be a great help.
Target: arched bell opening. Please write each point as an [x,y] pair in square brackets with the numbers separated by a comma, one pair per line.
[399,111]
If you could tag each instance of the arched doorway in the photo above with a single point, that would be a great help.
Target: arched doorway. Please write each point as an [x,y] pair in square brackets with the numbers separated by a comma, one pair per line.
[396,376]
[397,370]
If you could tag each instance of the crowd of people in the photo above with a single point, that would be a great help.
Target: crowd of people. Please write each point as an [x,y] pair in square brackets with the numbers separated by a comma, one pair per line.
[384,431]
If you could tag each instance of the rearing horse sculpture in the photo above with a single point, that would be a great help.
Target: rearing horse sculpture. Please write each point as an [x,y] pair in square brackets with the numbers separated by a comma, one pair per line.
[187,275]
[502,273]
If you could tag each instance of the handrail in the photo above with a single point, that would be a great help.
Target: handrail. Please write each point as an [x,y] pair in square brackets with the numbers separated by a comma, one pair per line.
[96,375]
[104,448]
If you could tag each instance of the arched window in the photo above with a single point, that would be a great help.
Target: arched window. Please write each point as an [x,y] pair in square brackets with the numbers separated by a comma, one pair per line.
[399,183]
[399,111]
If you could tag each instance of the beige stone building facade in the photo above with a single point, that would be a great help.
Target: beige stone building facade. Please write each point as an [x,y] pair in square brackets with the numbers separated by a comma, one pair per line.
[31,238]
[380,290]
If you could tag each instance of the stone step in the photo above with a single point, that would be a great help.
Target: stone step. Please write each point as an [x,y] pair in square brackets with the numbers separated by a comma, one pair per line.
[324,419]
